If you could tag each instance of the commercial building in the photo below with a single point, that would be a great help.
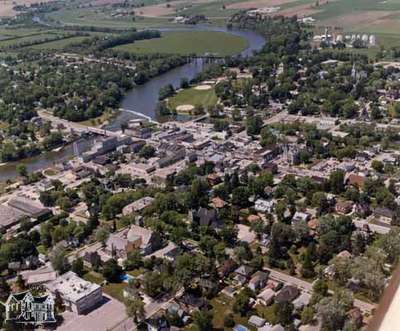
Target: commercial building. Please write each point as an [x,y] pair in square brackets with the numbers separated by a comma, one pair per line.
[79,295]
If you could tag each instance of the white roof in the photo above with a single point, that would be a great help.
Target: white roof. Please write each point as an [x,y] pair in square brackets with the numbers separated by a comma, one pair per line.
[71,287]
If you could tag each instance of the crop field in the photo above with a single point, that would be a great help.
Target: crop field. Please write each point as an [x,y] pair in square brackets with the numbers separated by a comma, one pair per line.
[189,42]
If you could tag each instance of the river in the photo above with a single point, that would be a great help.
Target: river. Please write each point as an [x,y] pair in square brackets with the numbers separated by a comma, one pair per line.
[142,99]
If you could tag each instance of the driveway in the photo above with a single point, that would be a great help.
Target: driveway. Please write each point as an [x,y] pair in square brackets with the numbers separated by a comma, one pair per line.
[108,316]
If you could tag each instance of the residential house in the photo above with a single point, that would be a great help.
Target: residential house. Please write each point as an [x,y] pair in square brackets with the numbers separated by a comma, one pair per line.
[258,281]
[244,271]
[205,217]
[344,207]
[266,297]
[302,301]
[287,294]
[136,237]
[264,206]
[227,267]
[256,321]
[384,214]
[138,205]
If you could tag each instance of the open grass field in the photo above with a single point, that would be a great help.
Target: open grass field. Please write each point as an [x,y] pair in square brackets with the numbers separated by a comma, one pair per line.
[191,96]
[189,42]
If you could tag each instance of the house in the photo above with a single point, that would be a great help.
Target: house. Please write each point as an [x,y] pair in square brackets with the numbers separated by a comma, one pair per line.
[384,214]
[227,267]
[266,296]
[300,216]
[264,206]
[302,301]
[92,259]
[244,271]
[192,302]
[79,295]
[240,327]
[137,206]
[356,181]
[205,217]
[218,203]
[356,316]
[136,237]
[256,321]
[344,207]
[258,280]
[26,308]
[287,294]
[229,291]
[157,322]
[213,179]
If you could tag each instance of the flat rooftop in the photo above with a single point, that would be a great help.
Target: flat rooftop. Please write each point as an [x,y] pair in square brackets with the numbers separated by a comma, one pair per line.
[71,287]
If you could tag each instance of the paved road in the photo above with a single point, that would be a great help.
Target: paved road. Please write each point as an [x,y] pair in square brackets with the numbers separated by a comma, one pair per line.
[306,286]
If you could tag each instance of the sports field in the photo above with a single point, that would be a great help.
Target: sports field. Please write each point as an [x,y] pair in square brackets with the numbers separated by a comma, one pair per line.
[193,97]
[189,42]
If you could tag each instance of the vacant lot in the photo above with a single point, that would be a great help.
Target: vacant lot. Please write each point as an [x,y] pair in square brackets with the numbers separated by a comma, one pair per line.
[189,42]
[6,6]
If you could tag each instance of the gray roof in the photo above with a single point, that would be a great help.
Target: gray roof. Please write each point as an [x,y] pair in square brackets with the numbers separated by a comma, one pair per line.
[9,216]
[256,321]
[28,207]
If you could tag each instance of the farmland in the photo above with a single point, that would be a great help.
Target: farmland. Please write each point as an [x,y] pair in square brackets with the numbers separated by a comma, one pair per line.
[189,42]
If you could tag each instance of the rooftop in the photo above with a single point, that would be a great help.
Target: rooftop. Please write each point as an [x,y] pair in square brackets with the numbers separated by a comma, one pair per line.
[71,287]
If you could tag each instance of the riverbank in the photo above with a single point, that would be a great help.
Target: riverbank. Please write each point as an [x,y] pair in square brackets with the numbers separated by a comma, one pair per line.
[141,99]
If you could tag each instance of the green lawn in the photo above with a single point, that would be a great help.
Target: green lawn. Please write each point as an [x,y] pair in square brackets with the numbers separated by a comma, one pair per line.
[112,289]
[191,96]
[189,42]
[94,277]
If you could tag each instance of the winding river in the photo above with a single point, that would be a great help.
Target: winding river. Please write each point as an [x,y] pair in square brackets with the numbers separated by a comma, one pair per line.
[141,99]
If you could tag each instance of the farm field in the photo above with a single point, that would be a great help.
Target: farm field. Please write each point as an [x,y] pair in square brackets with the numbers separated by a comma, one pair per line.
[193,97]
[189,42]
[59,44]
[100,17]
[28,38]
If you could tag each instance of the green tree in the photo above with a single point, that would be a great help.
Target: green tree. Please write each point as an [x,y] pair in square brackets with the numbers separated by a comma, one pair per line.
[59,260]
[135,309]
[112,271]
[22,170]
[78,267]
[202,319]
